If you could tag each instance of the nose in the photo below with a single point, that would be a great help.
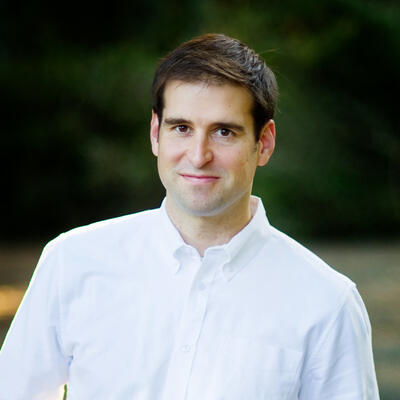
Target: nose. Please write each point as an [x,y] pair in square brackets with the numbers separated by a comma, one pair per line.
[200,151]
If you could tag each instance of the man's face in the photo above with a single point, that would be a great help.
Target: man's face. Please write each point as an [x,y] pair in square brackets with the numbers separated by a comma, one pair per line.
[206,148]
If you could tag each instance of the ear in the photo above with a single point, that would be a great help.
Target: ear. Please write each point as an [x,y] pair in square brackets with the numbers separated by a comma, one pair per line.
[266,143]
[154,131]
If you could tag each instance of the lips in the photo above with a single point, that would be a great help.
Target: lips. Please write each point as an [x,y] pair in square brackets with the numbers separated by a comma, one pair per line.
[194,178]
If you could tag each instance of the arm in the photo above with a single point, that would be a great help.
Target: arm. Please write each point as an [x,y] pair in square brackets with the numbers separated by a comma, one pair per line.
[32,364]
[341,366]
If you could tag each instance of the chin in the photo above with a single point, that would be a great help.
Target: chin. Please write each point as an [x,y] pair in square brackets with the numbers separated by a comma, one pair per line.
[204,209]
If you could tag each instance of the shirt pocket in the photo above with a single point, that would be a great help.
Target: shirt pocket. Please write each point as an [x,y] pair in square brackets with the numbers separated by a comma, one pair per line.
[254,370]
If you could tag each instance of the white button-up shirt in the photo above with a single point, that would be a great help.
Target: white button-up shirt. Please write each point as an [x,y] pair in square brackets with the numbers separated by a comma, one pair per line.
[124,309]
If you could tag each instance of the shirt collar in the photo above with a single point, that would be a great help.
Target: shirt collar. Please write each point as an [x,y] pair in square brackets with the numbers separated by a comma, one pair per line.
[246,243]
[232,256]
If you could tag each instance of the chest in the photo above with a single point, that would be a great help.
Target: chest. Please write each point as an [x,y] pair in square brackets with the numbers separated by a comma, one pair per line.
[186,336]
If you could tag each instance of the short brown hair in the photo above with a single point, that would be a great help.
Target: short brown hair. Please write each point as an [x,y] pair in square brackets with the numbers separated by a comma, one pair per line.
[219,59]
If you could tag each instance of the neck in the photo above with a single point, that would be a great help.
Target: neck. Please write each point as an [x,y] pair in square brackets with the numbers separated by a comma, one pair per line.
[202,232]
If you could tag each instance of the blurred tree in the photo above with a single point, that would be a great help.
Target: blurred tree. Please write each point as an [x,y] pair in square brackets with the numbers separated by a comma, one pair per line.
[75,98]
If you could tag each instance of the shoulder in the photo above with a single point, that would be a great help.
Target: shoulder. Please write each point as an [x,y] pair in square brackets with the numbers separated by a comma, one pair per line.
[101,240]
[115,225]
[299,260]
[308,282]
[310,296]
[109,230]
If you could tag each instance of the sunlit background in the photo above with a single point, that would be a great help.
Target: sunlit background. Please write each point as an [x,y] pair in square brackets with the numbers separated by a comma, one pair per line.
[75,107]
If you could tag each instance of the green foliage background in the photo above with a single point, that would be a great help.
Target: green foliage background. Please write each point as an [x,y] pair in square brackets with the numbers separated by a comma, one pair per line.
[75,85]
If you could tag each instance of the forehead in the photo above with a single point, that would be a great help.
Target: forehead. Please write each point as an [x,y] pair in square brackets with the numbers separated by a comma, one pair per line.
[208,100]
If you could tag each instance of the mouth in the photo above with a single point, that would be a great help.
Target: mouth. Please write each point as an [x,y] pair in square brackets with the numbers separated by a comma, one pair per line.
[199,178]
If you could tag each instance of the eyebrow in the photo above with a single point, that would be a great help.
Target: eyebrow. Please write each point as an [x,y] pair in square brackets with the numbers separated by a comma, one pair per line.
[176,121]
[182,121]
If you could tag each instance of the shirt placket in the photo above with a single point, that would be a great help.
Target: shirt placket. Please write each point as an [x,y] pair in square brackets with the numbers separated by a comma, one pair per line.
[189,332]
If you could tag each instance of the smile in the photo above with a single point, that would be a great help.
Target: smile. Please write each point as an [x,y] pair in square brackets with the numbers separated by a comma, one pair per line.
[199,178]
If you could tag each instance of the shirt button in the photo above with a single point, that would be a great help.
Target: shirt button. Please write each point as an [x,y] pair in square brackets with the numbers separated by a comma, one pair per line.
[186,348]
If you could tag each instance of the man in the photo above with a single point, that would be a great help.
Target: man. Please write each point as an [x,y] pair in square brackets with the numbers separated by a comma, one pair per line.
[202,298]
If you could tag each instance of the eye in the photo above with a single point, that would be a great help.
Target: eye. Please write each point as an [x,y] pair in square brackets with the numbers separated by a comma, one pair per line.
[224,132]
[182,129]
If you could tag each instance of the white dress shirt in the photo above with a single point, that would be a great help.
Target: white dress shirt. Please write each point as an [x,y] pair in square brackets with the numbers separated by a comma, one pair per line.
[124,309]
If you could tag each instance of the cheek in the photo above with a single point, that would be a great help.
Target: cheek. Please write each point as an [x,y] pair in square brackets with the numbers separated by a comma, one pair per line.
[168,154]
[239,160]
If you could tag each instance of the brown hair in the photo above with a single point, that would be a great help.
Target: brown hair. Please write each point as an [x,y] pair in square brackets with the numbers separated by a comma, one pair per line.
[219,59]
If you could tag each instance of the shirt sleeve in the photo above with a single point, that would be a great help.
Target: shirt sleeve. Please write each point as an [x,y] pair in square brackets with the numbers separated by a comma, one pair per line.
[32,364]
[341,366]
